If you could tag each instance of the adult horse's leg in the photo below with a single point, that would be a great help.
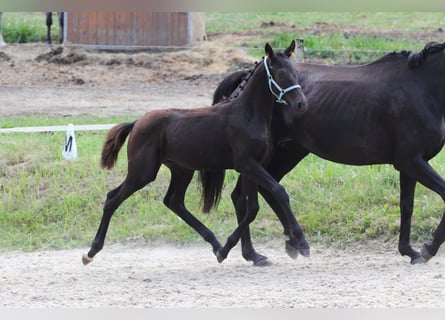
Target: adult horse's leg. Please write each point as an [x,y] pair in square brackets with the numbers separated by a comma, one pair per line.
[407,189]
[49,23]
[420,170]
[174,200]
[257,174]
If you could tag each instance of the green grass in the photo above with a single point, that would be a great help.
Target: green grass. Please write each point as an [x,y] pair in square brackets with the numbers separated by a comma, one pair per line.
[338,48]
[341,47]
[241,21]
[48,202]
[25,27]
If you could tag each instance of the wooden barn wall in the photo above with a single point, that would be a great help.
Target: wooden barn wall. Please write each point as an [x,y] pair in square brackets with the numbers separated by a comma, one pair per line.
[131,28]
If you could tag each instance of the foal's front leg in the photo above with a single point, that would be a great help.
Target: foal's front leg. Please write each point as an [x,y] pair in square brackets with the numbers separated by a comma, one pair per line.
[239,200]
[250,199]
[257,174]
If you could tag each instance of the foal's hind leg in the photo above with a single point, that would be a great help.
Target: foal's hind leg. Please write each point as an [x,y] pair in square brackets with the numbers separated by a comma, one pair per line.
[174,200]
[114,199]
[137,178]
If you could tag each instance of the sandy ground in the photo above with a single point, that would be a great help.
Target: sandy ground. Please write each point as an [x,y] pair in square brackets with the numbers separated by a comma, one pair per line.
[161,276]
[79,82]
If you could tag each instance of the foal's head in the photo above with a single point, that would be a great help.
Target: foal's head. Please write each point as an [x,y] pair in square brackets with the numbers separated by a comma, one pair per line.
[283,78]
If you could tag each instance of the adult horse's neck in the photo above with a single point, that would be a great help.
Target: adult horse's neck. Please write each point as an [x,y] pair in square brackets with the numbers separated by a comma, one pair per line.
[428,68]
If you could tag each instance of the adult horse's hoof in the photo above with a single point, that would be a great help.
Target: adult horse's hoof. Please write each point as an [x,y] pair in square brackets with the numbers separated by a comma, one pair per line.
[262,261]
[425,253]
[291,250]
[86,260]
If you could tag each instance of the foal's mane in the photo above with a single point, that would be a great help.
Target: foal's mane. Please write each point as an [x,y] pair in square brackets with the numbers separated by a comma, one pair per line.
[243,82]
[235,93]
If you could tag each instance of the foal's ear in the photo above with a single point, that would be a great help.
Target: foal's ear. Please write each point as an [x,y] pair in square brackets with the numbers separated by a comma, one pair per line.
[269,51]
[290,50]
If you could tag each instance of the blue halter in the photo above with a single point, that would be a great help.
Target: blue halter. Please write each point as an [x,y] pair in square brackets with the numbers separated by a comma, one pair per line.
[282,91]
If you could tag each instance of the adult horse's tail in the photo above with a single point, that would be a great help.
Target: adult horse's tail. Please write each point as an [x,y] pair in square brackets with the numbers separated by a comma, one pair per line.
[212,181]
[113,143]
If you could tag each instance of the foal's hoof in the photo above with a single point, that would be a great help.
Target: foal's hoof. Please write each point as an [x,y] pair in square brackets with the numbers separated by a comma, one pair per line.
[291,250]
[219,257]
[305,252]
[425,253]
[86,260]
[417,260]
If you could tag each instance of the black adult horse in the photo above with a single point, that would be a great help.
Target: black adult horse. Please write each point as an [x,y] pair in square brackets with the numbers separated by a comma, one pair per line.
[390,111]
[234,136]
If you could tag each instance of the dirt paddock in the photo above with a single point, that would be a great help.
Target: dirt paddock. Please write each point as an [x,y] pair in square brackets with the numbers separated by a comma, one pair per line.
[81,82]
[137,275]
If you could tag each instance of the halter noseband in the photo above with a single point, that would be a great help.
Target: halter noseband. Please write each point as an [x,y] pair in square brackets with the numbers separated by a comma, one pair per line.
[277,86]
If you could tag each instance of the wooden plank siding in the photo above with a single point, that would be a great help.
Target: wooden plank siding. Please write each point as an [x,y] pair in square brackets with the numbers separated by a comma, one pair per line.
[134,28]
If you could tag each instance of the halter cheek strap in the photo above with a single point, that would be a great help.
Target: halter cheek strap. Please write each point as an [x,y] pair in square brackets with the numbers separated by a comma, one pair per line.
[273,84]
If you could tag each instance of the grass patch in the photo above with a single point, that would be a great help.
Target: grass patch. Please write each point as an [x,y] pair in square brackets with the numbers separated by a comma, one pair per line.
[242,21]
[345,49]
[48,202]
[25,27]
[341,47]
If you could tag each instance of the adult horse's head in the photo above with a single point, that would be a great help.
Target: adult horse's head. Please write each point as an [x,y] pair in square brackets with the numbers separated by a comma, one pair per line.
[283,79]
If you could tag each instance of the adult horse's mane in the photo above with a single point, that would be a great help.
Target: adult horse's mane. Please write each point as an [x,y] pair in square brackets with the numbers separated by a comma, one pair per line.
[416,58]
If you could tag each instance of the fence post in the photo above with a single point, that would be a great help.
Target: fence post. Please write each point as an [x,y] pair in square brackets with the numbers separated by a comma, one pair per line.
[69,151]
[2,43]
[299,50]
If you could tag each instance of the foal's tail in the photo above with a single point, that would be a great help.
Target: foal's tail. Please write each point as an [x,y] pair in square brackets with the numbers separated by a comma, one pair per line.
[114,142]
[211,184]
